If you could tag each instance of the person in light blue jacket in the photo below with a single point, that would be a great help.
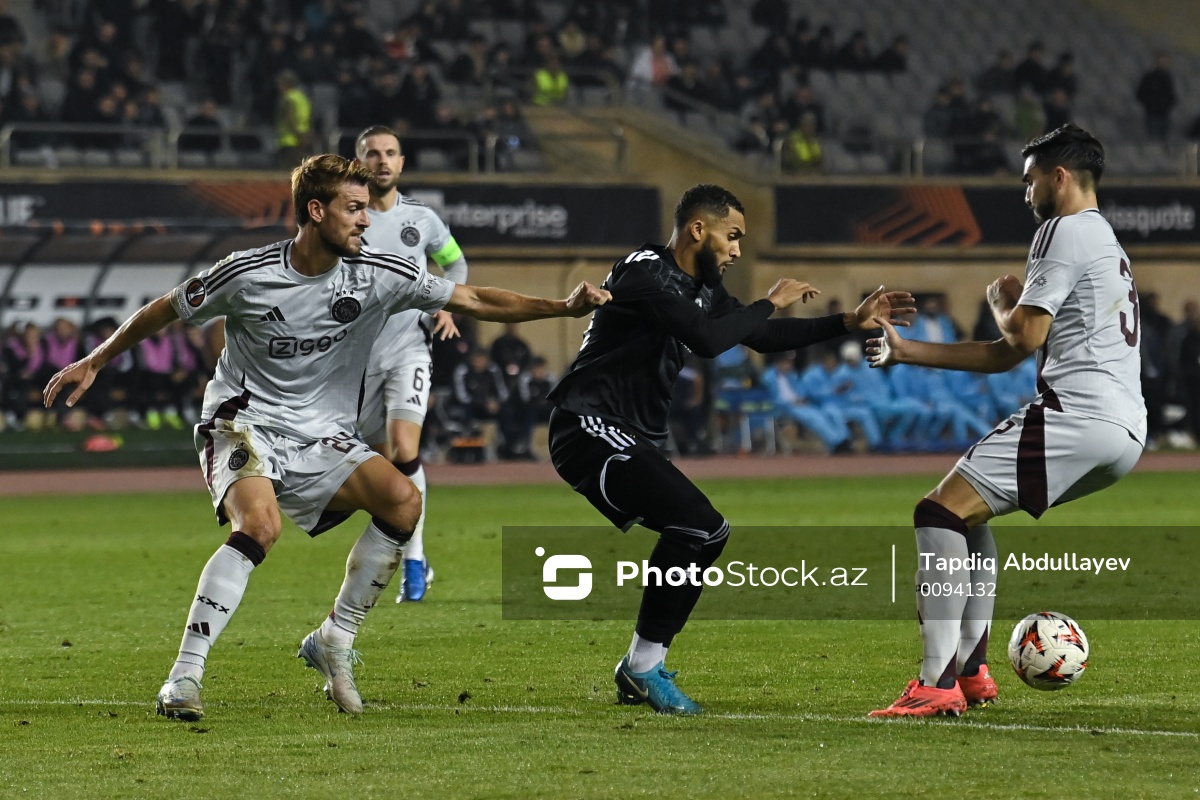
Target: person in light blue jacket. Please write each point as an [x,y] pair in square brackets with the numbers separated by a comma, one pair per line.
[1013,389]
[833,397]
[947,413]
[782,380]
[933,324]
[900,417]
[971,389]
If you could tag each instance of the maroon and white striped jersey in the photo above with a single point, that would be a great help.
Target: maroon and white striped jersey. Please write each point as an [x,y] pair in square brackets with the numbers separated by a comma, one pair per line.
[1078,271]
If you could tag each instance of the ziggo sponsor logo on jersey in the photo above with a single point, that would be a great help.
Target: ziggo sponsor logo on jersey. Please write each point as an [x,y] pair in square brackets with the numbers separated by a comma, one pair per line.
[290,346]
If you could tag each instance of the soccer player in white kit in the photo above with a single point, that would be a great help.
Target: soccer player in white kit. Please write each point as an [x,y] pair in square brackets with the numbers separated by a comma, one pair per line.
[279,417]
[397,393]
[1086,429]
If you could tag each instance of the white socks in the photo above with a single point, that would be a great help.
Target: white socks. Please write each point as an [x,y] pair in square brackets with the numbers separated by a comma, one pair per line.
[941,600]
[415,549]
[218,594]
[370,566]
[977,616]
[644,655]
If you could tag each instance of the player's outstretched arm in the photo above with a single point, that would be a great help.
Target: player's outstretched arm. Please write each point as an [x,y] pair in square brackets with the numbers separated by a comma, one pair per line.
[1024,329]
[892,306]
[779,335]
[500,305]
[891,348]
[146,321]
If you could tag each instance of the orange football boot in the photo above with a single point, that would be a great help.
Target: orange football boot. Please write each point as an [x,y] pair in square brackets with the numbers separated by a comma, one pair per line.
[925,701]
[979,690]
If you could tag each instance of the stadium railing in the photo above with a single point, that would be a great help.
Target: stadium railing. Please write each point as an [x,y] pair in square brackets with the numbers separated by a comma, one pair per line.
[56,144]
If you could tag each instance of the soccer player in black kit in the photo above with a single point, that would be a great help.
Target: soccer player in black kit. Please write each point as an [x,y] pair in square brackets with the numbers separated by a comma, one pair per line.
[610,409]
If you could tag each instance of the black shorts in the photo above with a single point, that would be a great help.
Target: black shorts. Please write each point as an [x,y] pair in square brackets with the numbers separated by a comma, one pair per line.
[625,477]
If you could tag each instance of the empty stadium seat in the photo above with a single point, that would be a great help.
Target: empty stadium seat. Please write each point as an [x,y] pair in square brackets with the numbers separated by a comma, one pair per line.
[130,158]
[936,157]
[527,161]
[97,158]
[594,96]
[191,159]
[431,159]
[872,164]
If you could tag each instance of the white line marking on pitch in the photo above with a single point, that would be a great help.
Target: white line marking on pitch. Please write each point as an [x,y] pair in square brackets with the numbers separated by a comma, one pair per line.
[991,726]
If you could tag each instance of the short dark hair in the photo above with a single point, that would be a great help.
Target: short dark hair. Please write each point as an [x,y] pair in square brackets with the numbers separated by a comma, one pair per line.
[1070,147]
[376,130]
[715,200]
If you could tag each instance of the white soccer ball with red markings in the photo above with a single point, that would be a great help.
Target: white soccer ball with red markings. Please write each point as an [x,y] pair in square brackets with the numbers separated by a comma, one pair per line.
[1048,650]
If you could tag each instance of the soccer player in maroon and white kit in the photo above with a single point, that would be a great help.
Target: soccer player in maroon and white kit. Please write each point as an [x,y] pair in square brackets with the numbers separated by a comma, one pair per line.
[1078,310]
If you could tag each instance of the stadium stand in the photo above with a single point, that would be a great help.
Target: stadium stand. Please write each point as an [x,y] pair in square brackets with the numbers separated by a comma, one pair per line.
[137,75]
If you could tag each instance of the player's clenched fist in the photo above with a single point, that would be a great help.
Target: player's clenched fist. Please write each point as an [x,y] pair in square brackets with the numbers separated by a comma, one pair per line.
[1004,292]
[585,298]
[788,290]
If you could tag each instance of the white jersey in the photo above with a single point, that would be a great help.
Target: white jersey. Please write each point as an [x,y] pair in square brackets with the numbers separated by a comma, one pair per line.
[296,347]
[415,231]
[1090,363]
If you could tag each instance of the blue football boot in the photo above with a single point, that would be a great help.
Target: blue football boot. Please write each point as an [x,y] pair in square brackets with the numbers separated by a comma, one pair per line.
[656,687]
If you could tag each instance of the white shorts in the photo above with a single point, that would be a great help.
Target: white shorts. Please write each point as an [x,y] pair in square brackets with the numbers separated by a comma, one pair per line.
[402,393]
[1041,457]
[306,476]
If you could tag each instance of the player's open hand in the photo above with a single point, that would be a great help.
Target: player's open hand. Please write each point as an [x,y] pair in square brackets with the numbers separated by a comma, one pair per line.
[1004,292]
[891,306]
[888,349]
[81,372]
[788,290]
[585,299]
[444,327]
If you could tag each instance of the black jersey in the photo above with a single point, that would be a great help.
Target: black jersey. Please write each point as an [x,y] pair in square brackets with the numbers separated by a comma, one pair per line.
[634,347]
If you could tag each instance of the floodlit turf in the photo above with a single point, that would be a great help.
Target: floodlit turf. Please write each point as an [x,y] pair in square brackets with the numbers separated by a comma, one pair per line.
[94,590]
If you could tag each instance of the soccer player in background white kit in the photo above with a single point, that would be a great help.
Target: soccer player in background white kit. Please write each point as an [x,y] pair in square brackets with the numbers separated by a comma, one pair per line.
[1086,429]
[280,414]
[397,393]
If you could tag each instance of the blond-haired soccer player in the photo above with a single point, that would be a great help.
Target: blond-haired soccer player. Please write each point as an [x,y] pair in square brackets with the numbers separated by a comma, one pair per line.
[279,417]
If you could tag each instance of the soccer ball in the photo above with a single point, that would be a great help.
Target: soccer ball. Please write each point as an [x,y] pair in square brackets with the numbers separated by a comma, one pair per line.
[1048,650]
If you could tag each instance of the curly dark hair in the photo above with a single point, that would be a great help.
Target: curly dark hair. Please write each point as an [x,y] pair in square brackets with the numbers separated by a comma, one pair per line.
[708,197]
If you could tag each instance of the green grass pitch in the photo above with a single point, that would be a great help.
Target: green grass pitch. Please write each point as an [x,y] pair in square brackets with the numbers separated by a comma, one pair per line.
[460,703]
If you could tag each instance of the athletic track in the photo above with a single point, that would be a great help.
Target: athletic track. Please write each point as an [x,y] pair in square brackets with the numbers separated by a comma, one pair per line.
[115,481]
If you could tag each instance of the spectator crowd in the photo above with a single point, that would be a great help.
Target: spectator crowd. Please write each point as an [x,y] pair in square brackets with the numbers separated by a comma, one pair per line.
[278,76]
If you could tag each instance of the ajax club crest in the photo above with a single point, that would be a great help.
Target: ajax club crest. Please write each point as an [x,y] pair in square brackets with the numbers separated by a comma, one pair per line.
[346,309]
[238,459]
[410,236]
